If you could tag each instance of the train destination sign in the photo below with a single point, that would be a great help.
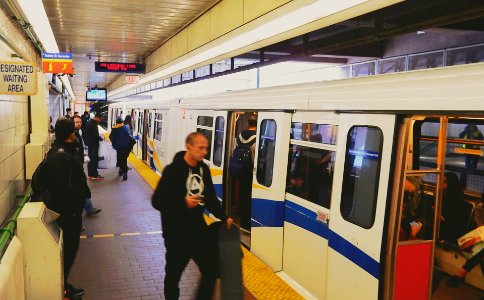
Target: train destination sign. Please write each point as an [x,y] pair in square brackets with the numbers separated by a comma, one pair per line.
[117,67]
[18,78]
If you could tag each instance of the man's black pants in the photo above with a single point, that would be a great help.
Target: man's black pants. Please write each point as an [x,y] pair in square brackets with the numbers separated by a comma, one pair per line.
[122,158]
[93,153]
[71,235]
[177,257]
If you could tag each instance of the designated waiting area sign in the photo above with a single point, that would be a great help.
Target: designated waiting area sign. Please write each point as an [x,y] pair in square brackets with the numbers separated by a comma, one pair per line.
[17,78]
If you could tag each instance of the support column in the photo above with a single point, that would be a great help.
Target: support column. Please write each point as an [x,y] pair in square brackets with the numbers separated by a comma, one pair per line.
[39,117]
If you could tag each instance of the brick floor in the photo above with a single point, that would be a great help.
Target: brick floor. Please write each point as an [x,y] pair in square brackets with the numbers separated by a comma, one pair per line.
[124,267]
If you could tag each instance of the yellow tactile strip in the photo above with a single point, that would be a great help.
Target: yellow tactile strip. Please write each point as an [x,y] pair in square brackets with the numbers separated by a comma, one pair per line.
[257,277]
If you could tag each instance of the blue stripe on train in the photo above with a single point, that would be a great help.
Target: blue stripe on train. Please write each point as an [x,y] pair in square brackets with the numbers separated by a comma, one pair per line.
[218,190]
[272,213]
[267,213]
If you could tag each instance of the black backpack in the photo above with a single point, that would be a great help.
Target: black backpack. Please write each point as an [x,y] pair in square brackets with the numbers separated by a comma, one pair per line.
[39,183]
[241,162]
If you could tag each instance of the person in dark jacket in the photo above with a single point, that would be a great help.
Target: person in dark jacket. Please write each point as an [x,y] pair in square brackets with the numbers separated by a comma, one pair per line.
[88,207]
[128,120]
[242,184]
[85,119]
[453,219]
[67,189]
[92,141]
[121,140]
[184,191]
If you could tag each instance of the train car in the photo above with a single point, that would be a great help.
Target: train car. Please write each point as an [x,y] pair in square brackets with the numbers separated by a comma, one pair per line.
[341,170]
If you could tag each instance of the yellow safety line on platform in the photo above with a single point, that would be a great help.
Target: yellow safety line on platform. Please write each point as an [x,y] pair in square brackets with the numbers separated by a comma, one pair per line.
[119,234]
[144,171]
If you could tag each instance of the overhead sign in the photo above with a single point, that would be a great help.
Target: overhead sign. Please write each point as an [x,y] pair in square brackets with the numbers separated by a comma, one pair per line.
[57,63]
[132,79]
[116,67]
[17,78]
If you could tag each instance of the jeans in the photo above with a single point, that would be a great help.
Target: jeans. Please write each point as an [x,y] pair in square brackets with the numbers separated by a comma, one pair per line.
[88,206]
[93,153]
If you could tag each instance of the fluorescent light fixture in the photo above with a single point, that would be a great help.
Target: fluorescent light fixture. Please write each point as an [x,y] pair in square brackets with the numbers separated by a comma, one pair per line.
[35,14]
[257,32]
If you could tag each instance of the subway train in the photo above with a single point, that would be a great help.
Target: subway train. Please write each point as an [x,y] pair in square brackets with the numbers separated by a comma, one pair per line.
[332,164]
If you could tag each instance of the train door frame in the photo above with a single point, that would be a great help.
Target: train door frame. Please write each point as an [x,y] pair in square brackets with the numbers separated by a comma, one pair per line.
[355,243]
[231,134]
[408,267]
[267,207]
[144,142]
[218,171]
[135,121]
[150,127]
[307,207]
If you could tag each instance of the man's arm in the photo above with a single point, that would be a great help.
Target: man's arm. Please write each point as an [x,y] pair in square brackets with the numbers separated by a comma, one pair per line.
[165,198]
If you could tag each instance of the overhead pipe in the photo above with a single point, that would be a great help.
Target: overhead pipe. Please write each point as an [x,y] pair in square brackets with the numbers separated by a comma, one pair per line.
[25,25]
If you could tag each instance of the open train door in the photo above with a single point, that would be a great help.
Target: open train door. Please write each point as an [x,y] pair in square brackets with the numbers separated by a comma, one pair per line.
[269,187]
[359,199]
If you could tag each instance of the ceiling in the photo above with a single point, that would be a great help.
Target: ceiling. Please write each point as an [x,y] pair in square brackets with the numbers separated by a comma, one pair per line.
[115,31]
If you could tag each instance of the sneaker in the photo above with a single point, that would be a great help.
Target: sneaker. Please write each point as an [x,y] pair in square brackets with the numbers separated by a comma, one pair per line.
[94,211]
[72,291]
[129,168]
[98,177]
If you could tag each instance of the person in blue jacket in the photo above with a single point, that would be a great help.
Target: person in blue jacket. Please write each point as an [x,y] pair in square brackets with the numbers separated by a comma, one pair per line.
[121,139]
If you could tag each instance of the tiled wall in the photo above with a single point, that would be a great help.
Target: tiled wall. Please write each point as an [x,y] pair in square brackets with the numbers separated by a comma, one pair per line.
[14,129]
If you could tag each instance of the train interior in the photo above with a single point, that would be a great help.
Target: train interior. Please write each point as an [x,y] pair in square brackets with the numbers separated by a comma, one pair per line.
[443,186]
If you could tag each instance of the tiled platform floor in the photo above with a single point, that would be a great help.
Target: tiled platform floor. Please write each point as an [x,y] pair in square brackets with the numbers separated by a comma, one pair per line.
[122,255]
[129,266]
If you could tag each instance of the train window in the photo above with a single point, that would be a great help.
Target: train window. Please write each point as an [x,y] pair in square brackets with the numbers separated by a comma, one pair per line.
[317,133]
[208,134]
[205,121]
[310,174]
[205,126]
[149,133]
[158,126]
[218,141]
[267,145]
[416,220]
[464,155]
[361,174]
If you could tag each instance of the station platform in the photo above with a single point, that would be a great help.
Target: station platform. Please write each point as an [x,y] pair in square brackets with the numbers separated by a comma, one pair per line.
[122,253]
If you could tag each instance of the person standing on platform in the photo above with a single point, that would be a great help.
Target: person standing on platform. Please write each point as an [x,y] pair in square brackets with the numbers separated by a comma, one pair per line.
[68,190]
[128,120]
[471,132]
[85,119]
[184,191]
[241,166]
[92,141]
[88,207]
[68,113]
[121,140]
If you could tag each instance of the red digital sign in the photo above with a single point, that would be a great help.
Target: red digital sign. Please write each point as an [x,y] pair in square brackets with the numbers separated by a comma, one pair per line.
[116,67]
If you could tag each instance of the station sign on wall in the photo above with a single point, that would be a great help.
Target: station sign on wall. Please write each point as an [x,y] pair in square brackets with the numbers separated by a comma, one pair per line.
[58,63]
[117,67]
[18,78]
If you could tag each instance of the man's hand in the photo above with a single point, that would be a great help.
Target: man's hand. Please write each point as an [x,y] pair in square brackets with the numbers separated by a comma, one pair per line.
[192,201]
[229,222]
